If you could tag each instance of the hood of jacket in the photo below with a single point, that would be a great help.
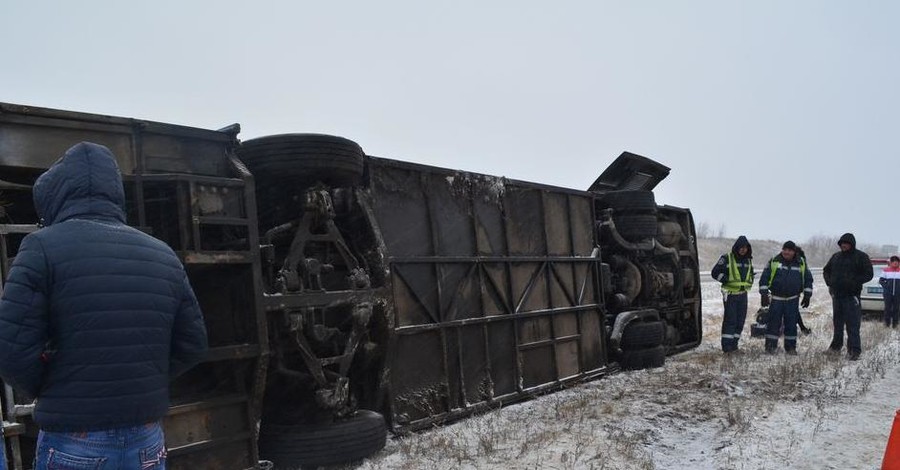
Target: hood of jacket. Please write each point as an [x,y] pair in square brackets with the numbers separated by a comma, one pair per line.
[84,183]
[742,241]
[849,238]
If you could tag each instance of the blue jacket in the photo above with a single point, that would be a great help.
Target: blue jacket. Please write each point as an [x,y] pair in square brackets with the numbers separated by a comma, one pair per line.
[890,282]
[789,279]
[96,316]
[720,271]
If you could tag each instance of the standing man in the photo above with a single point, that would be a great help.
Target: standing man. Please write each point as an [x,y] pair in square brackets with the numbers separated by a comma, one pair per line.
[782,282]
[890,284]
[845,273]
[96,318]
[735,271]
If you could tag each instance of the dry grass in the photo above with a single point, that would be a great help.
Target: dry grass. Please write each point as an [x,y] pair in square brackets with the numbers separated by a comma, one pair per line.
[637,420]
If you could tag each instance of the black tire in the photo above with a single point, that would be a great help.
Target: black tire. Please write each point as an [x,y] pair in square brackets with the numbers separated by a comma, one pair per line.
[308,445]
[634,200]
[639,335]
[304,159]
[637,359]
[636,226]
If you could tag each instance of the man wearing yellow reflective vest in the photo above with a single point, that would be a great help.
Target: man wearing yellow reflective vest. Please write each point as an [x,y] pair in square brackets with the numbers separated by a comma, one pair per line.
[781,284]
[735,271]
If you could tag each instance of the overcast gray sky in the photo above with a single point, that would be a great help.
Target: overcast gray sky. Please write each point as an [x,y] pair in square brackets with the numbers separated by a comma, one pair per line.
[779,119]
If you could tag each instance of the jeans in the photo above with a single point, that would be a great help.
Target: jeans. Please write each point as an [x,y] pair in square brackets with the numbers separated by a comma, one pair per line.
[138,447]
[847,313]
[782,312]
[733,321]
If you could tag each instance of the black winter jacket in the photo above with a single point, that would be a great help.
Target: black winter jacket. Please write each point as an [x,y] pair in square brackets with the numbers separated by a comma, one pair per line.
[96,316]
[847,271]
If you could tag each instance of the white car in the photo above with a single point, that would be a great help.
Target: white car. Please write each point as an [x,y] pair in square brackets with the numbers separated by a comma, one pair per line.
[871,298]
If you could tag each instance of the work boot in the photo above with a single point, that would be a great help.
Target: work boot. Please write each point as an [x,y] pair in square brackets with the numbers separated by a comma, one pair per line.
[853,355]
[790,352]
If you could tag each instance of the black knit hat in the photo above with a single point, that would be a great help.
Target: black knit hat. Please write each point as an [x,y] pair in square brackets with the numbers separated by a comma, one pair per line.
[789,245]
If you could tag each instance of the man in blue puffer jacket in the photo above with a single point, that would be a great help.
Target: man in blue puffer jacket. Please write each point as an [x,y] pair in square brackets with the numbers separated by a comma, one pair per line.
[96,318]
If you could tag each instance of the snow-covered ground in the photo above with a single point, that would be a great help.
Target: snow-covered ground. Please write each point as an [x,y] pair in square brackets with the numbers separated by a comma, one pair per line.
[703,410]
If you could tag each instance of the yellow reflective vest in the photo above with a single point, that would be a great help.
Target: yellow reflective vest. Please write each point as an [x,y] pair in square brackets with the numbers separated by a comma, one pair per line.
[735,282]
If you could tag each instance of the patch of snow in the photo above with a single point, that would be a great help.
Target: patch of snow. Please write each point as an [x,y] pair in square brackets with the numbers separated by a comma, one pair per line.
[703,410]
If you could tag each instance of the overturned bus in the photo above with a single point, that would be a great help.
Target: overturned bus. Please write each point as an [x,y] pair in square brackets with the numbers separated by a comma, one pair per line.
[346,295]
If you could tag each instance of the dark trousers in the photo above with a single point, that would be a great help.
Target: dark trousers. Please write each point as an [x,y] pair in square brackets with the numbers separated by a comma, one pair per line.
[891,309]
[733,321]
[782,312]
[847,314]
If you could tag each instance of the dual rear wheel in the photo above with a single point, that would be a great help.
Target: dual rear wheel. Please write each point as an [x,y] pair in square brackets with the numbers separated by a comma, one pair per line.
[284,167]
[642,345]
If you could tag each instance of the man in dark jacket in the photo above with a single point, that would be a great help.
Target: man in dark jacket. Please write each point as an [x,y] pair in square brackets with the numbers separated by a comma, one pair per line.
[735,271]
[96,318]
[781,283]
[845,273]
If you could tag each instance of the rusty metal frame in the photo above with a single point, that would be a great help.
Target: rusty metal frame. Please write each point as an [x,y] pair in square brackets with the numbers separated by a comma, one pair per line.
[36,136]
[564,281]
